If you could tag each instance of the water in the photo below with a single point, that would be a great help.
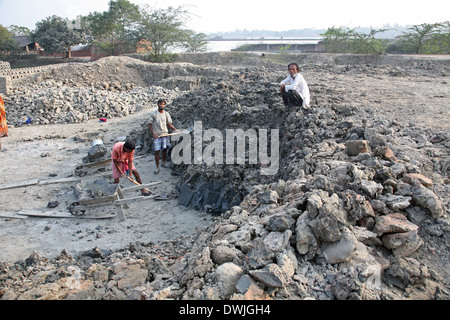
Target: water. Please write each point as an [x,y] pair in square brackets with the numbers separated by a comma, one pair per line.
[228,45]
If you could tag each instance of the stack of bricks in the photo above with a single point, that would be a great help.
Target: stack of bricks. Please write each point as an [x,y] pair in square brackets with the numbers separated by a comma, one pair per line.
[5,77]
[8,76]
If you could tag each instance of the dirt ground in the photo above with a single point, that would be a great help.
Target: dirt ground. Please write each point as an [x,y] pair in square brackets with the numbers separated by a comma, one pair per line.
[50,153]
[53,152]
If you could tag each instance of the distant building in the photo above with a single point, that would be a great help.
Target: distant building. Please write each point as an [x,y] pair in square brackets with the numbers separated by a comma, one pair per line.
[27,45]
[81,50]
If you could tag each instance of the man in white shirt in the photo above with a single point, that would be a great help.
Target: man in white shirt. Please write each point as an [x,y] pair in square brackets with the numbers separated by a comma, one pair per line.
[159,124]
[294,89]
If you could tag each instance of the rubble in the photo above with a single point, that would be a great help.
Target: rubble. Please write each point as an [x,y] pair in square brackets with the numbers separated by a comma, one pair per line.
[49,103]
[359,202]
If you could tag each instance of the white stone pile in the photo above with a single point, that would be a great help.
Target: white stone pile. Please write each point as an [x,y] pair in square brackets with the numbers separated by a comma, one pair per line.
[50,102]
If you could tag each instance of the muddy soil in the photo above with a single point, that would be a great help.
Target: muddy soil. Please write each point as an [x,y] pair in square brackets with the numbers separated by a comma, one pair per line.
[53,152]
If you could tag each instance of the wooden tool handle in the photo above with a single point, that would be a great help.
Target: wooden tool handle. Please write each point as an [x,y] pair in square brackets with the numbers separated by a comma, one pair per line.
[138,184]
[135,182]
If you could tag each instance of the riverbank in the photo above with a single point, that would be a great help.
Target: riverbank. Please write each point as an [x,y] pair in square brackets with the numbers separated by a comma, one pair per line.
[318,229]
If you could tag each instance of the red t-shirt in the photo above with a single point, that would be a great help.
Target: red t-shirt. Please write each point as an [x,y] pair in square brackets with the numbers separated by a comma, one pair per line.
[120,155]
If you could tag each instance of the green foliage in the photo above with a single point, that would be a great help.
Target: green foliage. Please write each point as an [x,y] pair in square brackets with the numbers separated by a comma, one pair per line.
[441,41]
[19,31]
[54,35]
[244,47]
[420,39]
[337,40]
[125,17]
[343,40]
[121,28]
[285,49]
[367,43]
[6,42]
[164,28]
[124,25]
[114,31]
[426,39]
[195,42]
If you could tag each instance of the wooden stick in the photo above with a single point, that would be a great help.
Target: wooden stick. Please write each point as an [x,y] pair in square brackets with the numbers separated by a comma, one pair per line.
[32,182]
[138,184]
[60,215]
[19,184]
[185,131]
[143,185]
[132,200]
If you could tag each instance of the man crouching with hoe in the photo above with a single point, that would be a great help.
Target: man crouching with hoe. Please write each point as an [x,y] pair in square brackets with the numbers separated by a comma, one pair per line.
[122,163]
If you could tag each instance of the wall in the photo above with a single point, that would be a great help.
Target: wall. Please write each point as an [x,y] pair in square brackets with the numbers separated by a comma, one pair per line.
[8,76]
[4,89]
[277,47]
[5,68]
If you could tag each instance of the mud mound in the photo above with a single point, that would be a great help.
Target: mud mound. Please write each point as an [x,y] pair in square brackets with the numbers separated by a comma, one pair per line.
[108,88]
[357,210]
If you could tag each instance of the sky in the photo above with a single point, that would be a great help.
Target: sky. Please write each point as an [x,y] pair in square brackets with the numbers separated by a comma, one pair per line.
[212,16]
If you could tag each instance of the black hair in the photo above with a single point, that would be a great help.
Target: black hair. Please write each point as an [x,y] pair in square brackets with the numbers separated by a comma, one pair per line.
[129,145]
[294,64]
[162,100]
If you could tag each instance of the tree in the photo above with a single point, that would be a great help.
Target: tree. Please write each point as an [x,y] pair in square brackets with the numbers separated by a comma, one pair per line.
[342,39]
[55,36]
[18,31]
[115,30]
[164,28]
[126,26]
[420,35]
[126,17]
[337,39]
[7,43]
[367,43]
[440,42]
[195,42]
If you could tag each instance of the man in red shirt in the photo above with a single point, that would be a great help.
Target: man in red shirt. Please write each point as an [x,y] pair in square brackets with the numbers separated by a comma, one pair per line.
[122,160]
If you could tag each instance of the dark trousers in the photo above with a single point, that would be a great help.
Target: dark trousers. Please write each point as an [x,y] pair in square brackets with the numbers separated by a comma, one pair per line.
[292,99]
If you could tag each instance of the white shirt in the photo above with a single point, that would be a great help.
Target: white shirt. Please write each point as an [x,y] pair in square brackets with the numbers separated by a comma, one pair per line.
[298,84]
[159,121]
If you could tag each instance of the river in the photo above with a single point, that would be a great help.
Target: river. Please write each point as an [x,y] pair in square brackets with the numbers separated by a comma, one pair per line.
[230,44]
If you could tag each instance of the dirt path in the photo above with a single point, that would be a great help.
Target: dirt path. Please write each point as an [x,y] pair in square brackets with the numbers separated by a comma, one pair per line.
[52,152]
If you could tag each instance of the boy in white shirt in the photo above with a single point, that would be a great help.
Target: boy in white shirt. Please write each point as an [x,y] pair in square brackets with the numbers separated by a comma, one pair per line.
[294,89]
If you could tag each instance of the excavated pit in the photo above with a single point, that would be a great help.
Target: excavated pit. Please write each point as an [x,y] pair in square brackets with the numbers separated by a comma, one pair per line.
[243,109]
[358,208]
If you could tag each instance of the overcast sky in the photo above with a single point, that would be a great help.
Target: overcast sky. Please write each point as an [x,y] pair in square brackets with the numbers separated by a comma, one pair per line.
[211,16]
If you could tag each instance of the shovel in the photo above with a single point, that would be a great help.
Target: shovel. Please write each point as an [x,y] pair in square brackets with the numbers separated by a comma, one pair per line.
[183,132]
[157,196]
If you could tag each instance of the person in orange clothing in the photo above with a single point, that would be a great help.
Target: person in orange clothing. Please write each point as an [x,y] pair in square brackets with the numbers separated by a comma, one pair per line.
[3,125]
[122,162]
